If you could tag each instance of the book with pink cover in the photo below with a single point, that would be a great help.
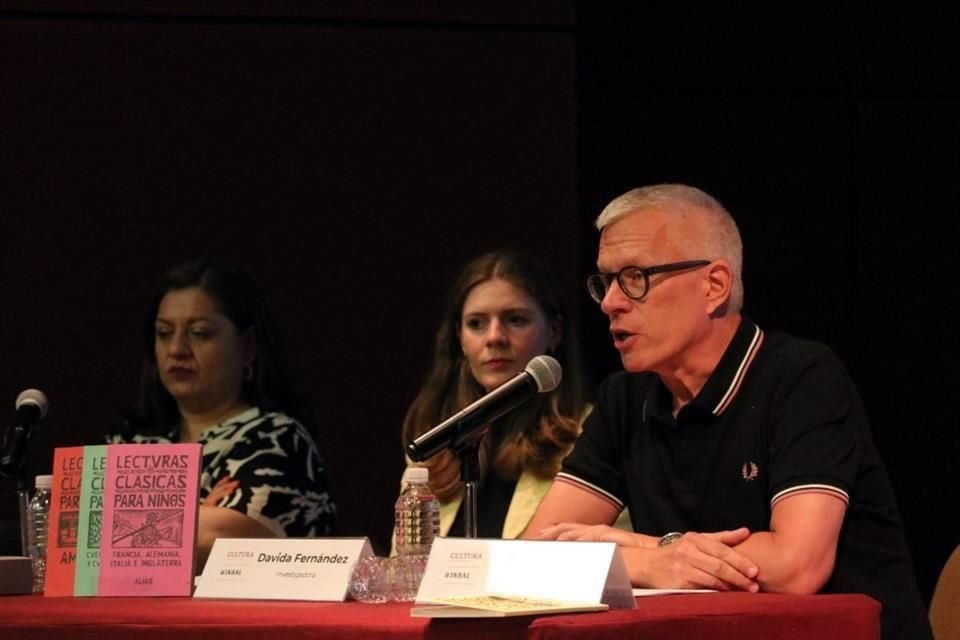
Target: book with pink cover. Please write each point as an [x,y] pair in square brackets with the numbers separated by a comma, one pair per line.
[150,503]
[64,521]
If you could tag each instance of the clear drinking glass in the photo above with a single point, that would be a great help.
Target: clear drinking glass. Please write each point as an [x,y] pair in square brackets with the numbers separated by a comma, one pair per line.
[371,580]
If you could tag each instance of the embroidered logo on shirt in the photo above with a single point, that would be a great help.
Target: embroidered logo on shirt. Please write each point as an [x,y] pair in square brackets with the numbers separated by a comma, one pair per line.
[749,471]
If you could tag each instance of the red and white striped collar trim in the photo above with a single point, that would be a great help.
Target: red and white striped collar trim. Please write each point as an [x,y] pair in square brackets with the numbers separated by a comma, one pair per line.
[741,371]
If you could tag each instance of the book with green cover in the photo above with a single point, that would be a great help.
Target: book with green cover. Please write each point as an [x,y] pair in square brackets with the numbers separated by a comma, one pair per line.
[89,526]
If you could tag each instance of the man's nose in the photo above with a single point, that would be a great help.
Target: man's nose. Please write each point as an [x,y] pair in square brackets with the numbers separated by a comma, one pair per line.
[614,299]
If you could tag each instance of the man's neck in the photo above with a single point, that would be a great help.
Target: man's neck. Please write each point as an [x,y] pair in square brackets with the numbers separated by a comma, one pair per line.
[687,378]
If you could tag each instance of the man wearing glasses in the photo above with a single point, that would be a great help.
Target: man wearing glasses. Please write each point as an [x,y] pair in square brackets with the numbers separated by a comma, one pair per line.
[745,457]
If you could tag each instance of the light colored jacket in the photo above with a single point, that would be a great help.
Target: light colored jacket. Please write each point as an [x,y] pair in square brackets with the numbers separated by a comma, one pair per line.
[527,496]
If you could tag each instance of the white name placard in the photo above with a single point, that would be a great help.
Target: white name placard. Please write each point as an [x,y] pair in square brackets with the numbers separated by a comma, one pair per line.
[281,568]
[585,572]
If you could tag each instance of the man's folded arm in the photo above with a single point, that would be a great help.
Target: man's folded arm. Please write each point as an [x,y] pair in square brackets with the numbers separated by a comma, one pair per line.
[797,555]
[570,502]
[572,511]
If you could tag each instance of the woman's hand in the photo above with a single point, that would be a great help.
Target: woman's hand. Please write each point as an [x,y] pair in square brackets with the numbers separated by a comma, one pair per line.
[224,487]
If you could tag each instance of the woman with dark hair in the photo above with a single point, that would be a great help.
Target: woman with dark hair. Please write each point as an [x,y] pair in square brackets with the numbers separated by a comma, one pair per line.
[213,373]
[503,310]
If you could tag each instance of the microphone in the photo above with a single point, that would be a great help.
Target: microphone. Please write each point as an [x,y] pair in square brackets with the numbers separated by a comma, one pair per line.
[31,406]
[541,375]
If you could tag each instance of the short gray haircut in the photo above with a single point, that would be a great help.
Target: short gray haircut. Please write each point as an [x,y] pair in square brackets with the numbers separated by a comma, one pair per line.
[720,239]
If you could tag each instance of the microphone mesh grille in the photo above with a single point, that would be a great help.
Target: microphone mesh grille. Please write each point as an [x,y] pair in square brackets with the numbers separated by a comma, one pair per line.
[35,397]
[546,372]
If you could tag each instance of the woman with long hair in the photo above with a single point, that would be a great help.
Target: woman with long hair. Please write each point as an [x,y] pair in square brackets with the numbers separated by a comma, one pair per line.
[503,310]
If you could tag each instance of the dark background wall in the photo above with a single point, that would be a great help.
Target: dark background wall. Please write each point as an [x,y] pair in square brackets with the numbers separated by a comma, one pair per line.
[352,157]
[350,160]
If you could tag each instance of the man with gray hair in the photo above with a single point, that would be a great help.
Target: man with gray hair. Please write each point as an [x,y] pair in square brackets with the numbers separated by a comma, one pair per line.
[744,457]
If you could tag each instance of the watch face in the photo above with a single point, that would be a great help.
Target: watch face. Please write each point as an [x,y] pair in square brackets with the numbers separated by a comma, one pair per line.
[673,536]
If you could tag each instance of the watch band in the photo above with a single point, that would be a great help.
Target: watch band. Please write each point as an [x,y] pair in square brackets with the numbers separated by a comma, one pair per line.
[669,538]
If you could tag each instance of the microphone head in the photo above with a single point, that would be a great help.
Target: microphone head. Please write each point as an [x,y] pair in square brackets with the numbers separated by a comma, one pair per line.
[546,372]
[34,398]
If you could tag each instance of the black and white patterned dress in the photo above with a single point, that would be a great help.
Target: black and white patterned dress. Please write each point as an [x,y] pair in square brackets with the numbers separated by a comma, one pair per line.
[283,481]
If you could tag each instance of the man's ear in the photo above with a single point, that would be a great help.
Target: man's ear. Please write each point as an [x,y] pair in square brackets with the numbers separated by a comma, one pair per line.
[718,285]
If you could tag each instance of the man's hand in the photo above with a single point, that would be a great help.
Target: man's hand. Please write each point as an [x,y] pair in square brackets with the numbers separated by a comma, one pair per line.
[695,561]
[595,533]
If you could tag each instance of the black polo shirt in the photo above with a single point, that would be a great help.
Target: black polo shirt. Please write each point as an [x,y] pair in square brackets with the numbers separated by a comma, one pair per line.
[779,416]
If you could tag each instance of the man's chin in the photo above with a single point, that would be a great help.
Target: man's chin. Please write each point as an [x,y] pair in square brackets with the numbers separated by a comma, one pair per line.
[634,364]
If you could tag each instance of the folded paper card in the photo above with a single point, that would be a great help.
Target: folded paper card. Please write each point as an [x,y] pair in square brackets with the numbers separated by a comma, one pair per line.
[281,568]
[581,576]
[16,575]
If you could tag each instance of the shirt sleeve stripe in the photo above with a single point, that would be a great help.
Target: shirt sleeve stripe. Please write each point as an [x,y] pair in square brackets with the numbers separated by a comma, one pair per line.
[583,484]
[811,488]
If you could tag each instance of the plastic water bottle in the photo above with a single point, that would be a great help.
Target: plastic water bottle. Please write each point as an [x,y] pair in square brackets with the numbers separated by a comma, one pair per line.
[37,529]
[417,524]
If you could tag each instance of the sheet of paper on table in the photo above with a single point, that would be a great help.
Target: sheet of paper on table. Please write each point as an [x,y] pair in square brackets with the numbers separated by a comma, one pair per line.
[666,592]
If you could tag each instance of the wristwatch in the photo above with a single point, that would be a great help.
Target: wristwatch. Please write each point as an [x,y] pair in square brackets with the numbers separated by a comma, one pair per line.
[669,538]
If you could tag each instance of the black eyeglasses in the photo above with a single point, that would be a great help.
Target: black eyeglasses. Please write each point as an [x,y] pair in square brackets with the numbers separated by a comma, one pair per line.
[634,281]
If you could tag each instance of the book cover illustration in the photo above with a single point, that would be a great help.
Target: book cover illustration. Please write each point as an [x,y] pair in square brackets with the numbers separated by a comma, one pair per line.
[149,519]
[64,521]
[87,563]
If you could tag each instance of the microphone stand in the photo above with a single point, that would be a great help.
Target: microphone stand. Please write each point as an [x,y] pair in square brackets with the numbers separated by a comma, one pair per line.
[467,451]
[13,465]
[23,503]
[469,455]
[17,571]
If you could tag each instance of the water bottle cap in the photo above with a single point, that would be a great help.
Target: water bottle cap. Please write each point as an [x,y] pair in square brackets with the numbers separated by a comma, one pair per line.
[416,474]
[44,482]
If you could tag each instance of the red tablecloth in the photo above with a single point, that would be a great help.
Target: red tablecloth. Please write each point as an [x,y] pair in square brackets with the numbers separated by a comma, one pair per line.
[718,616]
